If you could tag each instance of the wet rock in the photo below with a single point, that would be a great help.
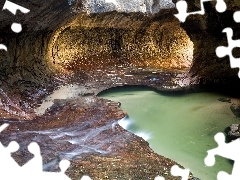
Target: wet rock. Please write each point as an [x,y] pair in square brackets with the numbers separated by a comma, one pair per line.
[119,104]
[194,178]
[228,100]
[88,94]
[57,38]
[87,133]
[233,131]
[121,42]
[235,108]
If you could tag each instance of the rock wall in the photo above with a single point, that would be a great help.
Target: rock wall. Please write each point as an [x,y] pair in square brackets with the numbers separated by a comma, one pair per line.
[111,39]
[25,59]
[59,36]
[206,34]
[144,6]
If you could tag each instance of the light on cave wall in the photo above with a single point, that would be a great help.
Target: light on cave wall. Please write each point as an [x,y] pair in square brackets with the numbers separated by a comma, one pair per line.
[182,50]
[187,53]
[71,50]
[95,44]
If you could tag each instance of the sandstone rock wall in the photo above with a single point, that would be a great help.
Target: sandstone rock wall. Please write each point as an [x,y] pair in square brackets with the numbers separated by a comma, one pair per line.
[25,59]
[121,39]
[59,36]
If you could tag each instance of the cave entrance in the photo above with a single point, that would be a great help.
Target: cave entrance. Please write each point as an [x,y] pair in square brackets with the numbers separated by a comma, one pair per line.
[157,45]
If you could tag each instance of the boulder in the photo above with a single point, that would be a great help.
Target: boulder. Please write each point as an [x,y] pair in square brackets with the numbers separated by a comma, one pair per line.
[235,108]
[233,132]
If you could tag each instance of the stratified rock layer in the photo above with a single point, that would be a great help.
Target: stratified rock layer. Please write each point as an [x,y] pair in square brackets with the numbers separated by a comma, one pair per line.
[110,39]
[85,131]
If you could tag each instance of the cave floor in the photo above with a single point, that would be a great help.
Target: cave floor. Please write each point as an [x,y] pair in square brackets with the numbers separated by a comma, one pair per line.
[84,129]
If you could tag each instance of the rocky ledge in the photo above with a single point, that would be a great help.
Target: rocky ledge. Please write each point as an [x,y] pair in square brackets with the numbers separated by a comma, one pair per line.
[85,129]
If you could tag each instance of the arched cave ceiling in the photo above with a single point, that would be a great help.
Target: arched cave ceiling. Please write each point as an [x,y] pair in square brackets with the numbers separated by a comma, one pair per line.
[53,28]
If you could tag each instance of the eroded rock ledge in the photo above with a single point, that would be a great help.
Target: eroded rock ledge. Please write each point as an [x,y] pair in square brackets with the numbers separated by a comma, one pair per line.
[85,131]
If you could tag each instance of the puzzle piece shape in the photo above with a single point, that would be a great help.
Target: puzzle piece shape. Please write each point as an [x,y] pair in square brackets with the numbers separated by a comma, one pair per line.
[159,178]
[86,178]
[13,8]
[182,9]
[32,169]
[177,171]
[35,164]
[7,163]
[222,51]
[64,164]
[226,150]
[236,16]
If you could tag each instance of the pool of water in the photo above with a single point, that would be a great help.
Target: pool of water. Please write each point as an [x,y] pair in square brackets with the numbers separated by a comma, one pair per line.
[180,127]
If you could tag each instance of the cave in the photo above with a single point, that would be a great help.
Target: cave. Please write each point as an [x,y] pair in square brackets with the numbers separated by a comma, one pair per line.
[93,42]
[69,52]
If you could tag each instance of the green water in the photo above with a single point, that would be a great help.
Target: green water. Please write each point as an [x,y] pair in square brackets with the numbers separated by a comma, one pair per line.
[180,127]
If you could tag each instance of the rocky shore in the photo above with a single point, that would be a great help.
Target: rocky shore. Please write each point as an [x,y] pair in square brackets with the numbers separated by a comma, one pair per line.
[84,129]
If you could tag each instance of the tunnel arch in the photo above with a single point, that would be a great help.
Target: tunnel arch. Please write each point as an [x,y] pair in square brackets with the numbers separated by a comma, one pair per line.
[110,39]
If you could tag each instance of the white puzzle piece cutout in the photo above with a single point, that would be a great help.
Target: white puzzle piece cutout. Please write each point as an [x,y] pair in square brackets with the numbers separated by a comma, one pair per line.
[223,51]
[182,9]
[13,8]
[226,150]
[9,168]
[177,171]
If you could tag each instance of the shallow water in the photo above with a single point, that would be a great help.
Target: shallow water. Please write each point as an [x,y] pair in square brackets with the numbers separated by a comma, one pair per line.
[180,127]
[69,91]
